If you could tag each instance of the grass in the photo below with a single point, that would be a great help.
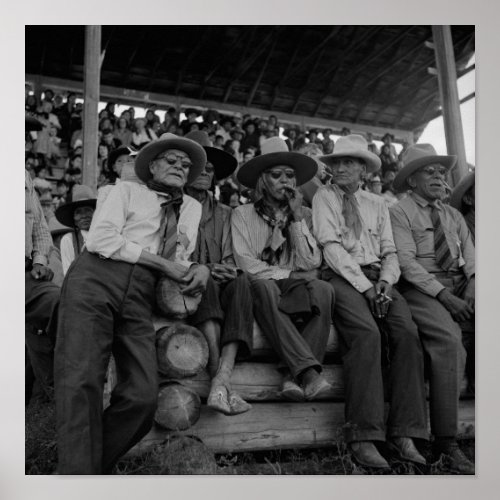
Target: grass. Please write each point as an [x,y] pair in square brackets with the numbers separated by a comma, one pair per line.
[189,456]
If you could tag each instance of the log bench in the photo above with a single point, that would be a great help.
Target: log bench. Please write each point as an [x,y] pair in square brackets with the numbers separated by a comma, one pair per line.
[272,423]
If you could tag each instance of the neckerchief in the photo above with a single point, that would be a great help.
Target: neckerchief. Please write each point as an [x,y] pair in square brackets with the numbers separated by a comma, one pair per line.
[174,194]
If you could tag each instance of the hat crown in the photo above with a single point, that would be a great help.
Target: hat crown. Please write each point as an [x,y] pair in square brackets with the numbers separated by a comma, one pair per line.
[198,136]
[81,193]
[350,143]
[274,145]
[418,151]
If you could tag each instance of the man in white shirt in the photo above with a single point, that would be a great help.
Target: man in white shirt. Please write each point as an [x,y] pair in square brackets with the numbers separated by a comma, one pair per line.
[141,232]
[354,229]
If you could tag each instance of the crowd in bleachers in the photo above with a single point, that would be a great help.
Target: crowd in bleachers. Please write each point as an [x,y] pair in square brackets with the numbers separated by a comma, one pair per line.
[54,157]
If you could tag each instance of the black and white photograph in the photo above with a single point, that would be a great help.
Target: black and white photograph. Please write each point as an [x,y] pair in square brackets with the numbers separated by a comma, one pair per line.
[250,252]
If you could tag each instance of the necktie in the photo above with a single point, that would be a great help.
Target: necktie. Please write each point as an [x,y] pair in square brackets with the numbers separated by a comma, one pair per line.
[168,231]
[351,214]
[441,248]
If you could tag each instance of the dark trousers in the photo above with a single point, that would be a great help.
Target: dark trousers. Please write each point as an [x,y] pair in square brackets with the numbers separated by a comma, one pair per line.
[361,343]
[442,341]
[41,301]
[105,308]
[299,350]
[231,304]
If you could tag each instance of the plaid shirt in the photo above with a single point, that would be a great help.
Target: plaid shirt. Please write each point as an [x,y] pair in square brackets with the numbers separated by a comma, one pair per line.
[37,236]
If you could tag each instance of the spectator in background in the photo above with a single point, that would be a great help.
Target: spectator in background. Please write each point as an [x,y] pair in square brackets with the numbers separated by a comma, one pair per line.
[372,147]
[78,216]
[345,131]
[40,182]
[374,184]
[387,158]
[77,132]
[224,128]
[309,189]
[151,118]
[171,119]
[388,140]
[48,95]
[105,124]
[191,115]
[229,196]
[110,109]
[122,132]
[463,198]
[327,143]
[251,138]
[102,156]
[312,136]
[272,122]
[142,135]
[59,198]
[31,104]
[110,140]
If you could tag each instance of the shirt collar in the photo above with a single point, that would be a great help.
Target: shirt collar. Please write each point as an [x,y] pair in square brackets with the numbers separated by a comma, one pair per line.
[424,203]
[340,192]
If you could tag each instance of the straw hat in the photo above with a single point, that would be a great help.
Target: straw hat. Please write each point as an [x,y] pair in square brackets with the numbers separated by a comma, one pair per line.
[274,151]
[353,145]
[168,141]
[418,156]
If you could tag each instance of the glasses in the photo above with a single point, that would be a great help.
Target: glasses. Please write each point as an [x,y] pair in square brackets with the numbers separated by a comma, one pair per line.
[172,159]
[431,170]
[276,174]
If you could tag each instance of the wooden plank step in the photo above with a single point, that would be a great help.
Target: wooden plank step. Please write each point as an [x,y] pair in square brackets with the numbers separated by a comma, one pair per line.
[262,382]
[277,426]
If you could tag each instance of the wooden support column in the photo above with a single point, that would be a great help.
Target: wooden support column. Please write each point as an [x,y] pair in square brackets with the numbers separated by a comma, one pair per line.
[91,84]
[447,78]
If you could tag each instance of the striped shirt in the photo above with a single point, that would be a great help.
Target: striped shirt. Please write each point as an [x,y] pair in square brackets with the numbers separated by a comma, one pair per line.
[343,252]
[128,222]
[251,233]
[37,239]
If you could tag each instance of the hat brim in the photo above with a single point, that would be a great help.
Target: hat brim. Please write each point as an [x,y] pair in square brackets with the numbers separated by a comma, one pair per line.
[116,153]
[460,189]
[400,184]
[373,162]
[151,150]
[32,124]
[64,214]
[305,167]
[224,163]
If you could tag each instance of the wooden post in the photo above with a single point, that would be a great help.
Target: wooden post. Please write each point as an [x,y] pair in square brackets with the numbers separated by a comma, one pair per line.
[91,99]
[447,78]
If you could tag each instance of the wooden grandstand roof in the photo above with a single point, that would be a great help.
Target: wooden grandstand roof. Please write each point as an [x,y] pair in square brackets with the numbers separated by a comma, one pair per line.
[370,75]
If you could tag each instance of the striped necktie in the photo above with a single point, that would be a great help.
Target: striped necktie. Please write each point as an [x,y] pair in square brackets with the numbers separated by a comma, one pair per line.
[351,214]
[441,248]
[168,231]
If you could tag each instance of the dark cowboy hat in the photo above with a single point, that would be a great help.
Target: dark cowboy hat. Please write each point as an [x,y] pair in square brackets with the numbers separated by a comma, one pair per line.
[224,163]
[189,111]
[31,123]
[274,151]
[56,228]
[167,141]
[82,197]
[353,145]
[418,156]
[116,153]
[465,183]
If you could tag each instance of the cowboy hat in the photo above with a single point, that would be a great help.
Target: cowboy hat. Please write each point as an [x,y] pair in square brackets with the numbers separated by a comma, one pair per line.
[465,183]
[167,141]
[274,151]
[56,228]
[224,163]
[82,196]
[121,151]
[418,156]
[353,145]
[32,124]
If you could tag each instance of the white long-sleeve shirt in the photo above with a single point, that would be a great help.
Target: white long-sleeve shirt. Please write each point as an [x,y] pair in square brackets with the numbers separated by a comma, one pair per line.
[128,222]
[68,249]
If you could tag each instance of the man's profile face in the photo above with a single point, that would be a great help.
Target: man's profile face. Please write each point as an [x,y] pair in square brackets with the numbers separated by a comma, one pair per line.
[171,168]
[204,180]
[279,179]
[347,171]
[429,182]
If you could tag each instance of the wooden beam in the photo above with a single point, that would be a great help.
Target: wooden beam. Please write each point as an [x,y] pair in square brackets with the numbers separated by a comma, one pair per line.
[355,43]
[126,71]
[248,63]
[223,58]
[256,84]
[91,100]
[141,98]
[278,426]
[201,42]
[448,90]
[425,120]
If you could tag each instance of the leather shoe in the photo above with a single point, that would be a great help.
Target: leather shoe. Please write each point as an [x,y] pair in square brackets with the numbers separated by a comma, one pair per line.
[365,453]
[318,387]
[404,448]
[290,390]
[456,460]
